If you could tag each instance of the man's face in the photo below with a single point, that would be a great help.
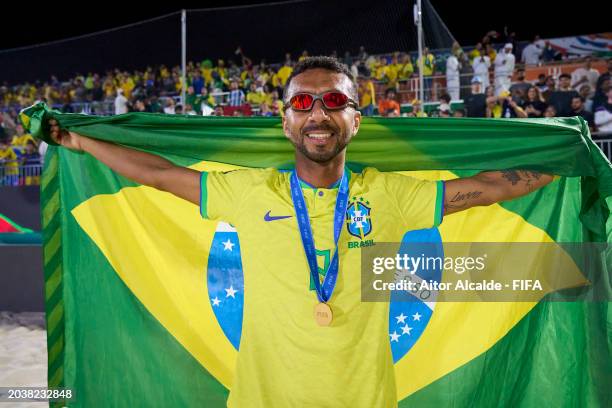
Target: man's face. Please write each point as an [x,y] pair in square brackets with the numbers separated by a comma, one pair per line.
[520,75]
[320,134]
[585,90]
[564,82]
[576,104]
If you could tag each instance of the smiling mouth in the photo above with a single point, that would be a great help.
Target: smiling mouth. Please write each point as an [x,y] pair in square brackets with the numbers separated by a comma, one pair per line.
[319,138]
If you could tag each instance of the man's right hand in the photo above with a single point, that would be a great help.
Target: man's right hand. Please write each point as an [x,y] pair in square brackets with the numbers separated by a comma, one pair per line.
[65,138]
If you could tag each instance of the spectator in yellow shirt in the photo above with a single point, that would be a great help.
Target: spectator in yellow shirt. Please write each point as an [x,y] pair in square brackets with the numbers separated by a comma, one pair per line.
[8,159]
[207,71]
[429,64]
[406,68]
[417,109]
[255,97]
[379,68]
[367,96]
[283,74]
[391,72]
[20,140]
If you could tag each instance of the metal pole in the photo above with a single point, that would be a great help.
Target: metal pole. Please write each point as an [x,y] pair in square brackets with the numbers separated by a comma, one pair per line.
[420,40]
[183,56]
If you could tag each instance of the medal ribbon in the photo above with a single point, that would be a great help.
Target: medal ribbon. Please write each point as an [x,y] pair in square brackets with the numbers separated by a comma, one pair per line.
[325,290]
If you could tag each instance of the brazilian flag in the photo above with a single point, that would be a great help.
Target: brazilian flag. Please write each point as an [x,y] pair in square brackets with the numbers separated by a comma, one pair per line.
[131,273]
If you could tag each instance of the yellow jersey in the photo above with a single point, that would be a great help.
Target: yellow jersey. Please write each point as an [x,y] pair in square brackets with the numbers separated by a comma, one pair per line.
[22,141]
[302,364]
[428,64]
[256,98]
[367,94]
[283,74]
[8,159]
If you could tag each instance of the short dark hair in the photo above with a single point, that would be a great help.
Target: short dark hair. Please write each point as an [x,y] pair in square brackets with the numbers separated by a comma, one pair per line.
[578,97]
[388,91]
[323,62]
[564,75]
[445,97]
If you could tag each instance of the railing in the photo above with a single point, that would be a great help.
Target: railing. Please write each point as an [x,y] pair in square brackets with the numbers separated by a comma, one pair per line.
[604,141]
[13,173]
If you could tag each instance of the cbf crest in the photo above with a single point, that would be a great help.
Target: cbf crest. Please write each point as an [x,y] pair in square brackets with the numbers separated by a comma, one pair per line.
[358,220]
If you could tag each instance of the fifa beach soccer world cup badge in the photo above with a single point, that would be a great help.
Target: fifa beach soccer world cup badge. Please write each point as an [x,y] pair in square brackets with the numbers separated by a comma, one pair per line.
[358,220]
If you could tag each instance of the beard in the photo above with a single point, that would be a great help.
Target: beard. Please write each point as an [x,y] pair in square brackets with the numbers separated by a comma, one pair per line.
[321,153]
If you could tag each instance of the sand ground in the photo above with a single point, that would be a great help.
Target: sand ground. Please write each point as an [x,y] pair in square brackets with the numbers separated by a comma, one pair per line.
[23,353]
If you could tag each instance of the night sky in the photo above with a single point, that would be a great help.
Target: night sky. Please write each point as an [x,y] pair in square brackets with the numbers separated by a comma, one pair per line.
[468,20]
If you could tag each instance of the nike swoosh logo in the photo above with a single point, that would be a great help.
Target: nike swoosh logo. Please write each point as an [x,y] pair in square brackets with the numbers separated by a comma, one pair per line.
[269,217]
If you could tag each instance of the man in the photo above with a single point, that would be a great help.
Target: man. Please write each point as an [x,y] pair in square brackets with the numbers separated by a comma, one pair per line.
[8,160]
[578,110]
[255,97]
[236,96]
[121,103]
[561,98]
[603,114]
[367,96]
[586,75]
[417,109]
[344,345]
[510,107]
[428,62]
[481,65]
[476,103]
[504,66]
[21,139]
[531,53]
[520,86]
[406,67]
[452,76]
[388,107]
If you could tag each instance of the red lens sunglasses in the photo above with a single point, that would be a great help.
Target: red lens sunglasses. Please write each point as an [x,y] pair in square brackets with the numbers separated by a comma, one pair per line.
[332,100]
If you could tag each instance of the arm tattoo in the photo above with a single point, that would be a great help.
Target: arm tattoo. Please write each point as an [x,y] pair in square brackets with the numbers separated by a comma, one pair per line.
[516,176]
[460,200]
[512,176]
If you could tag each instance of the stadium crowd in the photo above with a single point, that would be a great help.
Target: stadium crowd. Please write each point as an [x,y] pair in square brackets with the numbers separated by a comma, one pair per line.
[483,82]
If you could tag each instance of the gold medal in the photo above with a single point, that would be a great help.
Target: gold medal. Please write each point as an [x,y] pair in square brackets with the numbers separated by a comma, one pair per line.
[323,314]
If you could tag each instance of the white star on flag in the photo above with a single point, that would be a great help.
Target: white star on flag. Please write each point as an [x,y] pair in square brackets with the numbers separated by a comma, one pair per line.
[231,292]
[401,318]
[216,301]
[228,245]
[394,336]
[406,330]
[416,317]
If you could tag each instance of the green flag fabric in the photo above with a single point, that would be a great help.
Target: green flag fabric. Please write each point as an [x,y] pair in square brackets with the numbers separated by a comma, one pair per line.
[130,271]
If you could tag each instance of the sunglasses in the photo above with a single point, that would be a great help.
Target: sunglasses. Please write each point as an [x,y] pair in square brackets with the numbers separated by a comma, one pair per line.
[332,100]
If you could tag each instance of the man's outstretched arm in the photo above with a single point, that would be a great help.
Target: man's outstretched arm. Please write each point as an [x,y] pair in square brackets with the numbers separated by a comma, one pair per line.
[491,187]
[141,167]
